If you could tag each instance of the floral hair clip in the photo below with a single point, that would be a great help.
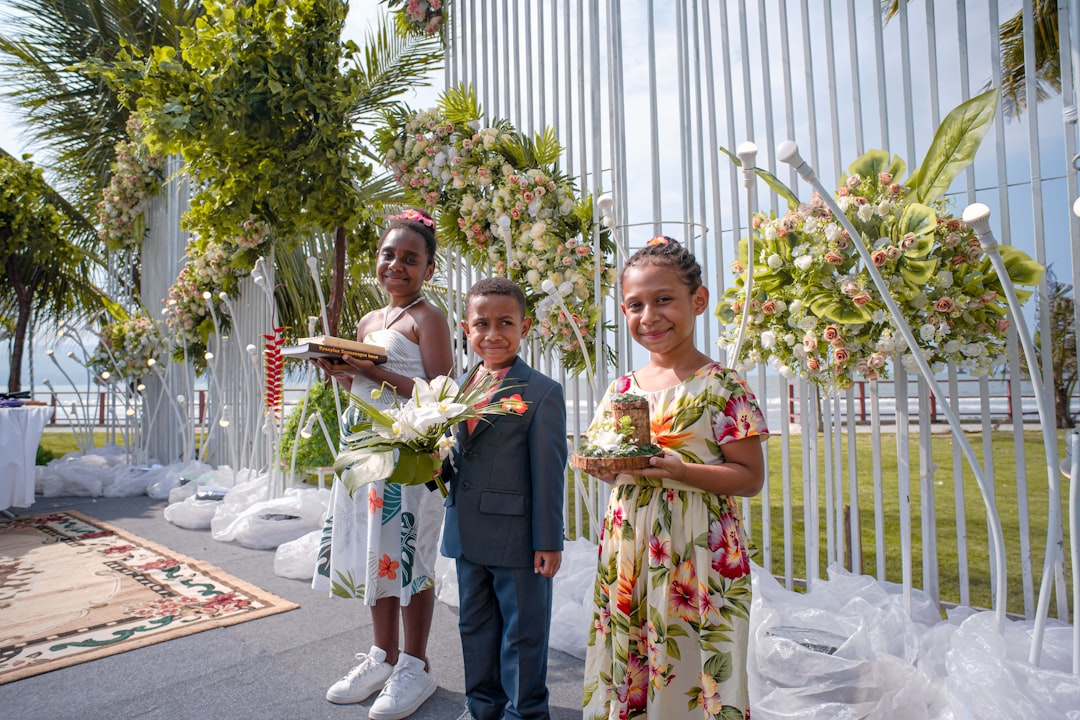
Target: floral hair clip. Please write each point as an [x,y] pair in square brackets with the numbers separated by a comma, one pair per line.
[659,240]
[414,216]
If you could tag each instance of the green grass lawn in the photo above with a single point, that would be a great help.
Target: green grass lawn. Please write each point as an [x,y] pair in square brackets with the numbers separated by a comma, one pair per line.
[978,548]
[1004,469]
[1004,466]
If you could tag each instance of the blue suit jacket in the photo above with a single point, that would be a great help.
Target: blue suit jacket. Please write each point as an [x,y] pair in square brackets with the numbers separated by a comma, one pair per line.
[507,477]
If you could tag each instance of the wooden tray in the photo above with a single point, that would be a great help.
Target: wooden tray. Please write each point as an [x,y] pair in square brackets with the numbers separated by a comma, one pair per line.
[608,465]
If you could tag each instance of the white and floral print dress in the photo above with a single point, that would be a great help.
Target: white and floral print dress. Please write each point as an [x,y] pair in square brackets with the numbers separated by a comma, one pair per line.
[383,541]
[672,595]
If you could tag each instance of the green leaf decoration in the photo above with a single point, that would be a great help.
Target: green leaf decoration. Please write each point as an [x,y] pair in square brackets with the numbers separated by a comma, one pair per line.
[840,312]
[774,183]
[917,273]
[921,220]
[954,146]
[778,187]
[1022,269]
[363,467]
[871,164]
[459,104]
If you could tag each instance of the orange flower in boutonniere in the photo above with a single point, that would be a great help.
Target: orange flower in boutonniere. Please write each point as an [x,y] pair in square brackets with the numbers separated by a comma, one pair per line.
[514,403]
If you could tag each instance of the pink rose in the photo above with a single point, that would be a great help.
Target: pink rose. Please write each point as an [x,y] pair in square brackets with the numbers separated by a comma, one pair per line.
[884,178]
[768,307]
[813,364]
[841,355]
[861,299]
[834,258]
[879,257]
[831,333]
[945,305]
[1002,325]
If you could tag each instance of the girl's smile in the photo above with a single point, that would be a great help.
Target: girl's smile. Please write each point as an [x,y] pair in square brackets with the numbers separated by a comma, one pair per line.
[403,263]
[660,309]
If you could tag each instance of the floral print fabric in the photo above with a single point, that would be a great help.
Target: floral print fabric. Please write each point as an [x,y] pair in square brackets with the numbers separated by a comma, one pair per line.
[672,594]
[383,541]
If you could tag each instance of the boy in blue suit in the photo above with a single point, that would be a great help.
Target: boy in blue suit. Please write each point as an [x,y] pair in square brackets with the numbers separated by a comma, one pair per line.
[504,515]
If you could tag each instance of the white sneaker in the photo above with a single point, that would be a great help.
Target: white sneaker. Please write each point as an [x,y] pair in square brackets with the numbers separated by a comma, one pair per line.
[406,690]
[362,681]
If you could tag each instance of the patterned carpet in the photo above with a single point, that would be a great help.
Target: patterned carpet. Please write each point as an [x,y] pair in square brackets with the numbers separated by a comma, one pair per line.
[73,589]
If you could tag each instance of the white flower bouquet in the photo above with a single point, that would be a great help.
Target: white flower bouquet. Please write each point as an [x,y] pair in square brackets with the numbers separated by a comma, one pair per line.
[407,442]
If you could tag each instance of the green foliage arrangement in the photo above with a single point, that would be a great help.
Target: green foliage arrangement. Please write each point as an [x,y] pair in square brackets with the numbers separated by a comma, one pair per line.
[257,103]
[501,200]
[313,452]
[815,312]
[137,177]
[129,348]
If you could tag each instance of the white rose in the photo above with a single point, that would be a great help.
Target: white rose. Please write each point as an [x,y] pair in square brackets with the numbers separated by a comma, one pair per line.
[775,262]
[768,339]
[803,262]
[945,278]
[910,364]
[866,212]
[926,332]
[808,323]
[832,231]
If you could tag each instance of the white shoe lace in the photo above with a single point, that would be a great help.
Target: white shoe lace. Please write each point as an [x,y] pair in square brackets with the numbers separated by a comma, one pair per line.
[401,678]
[366,663]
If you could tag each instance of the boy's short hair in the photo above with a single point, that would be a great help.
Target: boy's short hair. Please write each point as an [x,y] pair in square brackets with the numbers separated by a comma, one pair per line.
[495,286]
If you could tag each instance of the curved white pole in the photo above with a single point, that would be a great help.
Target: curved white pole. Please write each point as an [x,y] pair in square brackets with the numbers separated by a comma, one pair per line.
[788,152]
[747,153]
[977,217]
[1074,538]
[313,268]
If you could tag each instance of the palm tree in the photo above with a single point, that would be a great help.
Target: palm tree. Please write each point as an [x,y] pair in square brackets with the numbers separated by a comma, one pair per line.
[46,277]
[70,113]
[1013,70]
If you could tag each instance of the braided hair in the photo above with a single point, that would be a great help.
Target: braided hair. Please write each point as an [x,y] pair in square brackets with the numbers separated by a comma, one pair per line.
[417,221]
[664,251]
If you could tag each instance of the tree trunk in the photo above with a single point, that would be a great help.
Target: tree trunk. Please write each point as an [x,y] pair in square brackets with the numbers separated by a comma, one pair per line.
[24,295]
[1061,406]
[337,283]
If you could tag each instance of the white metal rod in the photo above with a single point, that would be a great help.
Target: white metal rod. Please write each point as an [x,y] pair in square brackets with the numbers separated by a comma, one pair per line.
[789,152]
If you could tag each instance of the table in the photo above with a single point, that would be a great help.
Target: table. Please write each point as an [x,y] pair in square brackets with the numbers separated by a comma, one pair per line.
[20,433]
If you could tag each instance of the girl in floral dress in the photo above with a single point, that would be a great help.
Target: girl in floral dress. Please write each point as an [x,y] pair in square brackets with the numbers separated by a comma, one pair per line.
[380,545]
[671,624]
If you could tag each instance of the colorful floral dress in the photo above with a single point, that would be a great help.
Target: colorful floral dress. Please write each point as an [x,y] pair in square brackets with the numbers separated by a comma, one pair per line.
[671,622]
[383,541]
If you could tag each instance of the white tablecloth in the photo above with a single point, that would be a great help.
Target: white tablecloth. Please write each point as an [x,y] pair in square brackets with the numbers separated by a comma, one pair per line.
[20,433]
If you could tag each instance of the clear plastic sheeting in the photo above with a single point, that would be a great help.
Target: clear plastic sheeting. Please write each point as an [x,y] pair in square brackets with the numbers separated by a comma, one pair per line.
[296,558]
[572,598]
[887,664]
[192,513]
[267,524]
[78,475]
[172,476]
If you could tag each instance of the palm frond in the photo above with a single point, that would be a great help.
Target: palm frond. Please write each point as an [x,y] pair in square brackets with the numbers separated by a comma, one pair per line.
[75,118]
[1047,71]
[390,65]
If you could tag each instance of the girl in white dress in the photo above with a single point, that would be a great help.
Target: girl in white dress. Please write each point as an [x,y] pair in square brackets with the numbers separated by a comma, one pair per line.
[379,546]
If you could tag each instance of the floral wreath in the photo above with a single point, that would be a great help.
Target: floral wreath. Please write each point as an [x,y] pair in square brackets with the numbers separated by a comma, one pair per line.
[501,201]
[814,311]
[129,348]
[137,177]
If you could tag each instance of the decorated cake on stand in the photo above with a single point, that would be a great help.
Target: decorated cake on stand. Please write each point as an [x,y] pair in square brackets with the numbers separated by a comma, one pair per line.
[620,445]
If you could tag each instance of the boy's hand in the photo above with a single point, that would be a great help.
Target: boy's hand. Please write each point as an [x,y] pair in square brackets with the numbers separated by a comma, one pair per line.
[547,562]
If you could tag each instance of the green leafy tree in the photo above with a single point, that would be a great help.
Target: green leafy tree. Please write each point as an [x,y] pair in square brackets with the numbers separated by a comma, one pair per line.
[1062,349]
[1013,69]
[262,101]
[45,275]
[72,115]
